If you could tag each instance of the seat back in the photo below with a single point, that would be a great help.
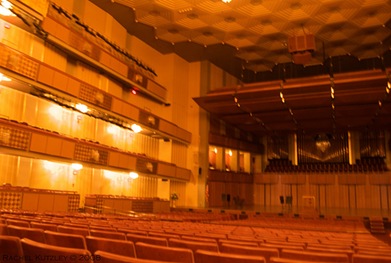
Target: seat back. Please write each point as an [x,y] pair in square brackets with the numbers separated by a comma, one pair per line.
[267,253]
[108,234]
[44,226]
[204,256]
[83,231]
[170,254]
[42,253]
[161,241]
[11,249]
[314,256]
[361,258]
[289,260]
[36,234]
[3,229]
[65,240]
[193,245]
[17,222]
[119,247]
[237,243]
[106,257]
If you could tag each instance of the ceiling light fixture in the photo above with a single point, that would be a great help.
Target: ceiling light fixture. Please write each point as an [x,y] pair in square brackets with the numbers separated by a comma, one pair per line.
[226,1]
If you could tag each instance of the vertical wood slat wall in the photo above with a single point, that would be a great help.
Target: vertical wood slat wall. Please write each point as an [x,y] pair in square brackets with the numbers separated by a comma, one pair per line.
[349,191]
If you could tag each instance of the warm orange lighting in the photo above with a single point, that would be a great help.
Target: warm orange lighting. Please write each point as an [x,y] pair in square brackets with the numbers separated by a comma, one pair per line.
[77,166]
[136,128]
[4,78]
[133,175]
[5,8]
[226,1]
[81,107]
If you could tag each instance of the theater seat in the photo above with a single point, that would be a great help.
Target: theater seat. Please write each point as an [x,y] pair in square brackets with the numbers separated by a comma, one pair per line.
[119,247]
[11,249]
[193,245]
[65,240]
[289,260]
[204,256]
[40,252]
[360,258]
[36,234]
[161,241]
[108,234]
[314,256]
[168,254]
[106,257]
[267,253]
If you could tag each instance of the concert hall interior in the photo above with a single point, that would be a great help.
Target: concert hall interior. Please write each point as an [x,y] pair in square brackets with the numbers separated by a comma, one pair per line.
[243,111]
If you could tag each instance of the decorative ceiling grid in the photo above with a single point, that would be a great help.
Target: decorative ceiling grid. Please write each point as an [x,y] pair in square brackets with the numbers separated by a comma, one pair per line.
[249,39]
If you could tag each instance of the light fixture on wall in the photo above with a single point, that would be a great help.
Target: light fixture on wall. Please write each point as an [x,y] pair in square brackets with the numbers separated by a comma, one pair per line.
[4,78]
[133,175]
[136,128]
[81,107]
[5,8]
[76,167]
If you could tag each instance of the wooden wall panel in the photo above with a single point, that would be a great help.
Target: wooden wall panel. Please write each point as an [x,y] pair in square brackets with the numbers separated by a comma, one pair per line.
[73,87]
[53,146]
[60,203]
[38,143]
[45,74]
[67,149]
[46,202]
[166,169]
[30,201]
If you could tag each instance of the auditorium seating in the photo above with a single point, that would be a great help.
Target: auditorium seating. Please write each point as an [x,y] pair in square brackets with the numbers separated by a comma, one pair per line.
[106,257]
[312,240]
[267,253]
[43,253]
[44,226]
[35,234]
[359,258]
[314,256]
[116,246]
[146,239]
[193,245]
[17,222]
[204,256]
[169,254]
[83,231]
[11,249]
[65,239]
[107,234]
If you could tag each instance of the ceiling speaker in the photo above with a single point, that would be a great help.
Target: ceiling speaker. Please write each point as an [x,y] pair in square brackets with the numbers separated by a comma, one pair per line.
[301,43]
[301,48]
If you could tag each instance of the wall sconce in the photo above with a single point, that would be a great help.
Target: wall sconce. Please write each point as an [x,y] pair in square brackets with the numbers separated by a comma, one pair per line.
[4,78]
[133,175]
[136,128]
[81,107]
[5,8]
[76,167]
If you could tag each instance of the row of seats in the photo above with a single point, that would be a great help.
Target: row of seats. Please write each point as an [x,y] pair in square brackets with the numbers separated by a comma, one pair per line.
[26,250]
[215,238]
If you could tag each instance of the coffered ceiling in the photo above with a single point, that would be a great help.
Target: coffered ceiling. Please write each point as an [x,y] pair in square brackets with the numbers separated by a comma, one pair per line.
[250,40]
[253,34]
